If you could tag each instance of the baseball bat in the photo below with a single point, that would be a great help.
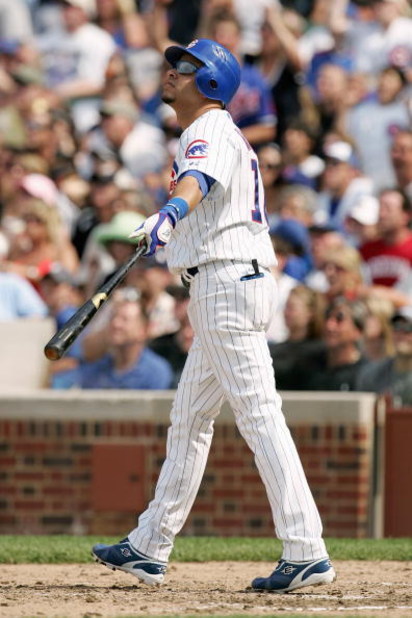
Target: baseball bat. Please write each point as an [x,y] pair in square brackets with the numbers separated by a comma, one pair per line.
[66,335]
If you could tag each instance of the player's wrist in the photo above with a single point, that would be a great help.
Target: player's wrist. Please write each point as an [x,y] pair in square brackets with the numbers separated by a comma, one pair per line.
[176,208]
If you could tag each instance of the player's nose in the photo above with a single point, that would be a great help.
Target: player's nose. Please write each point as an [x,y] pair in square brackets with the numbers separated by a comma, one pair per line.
[171,72]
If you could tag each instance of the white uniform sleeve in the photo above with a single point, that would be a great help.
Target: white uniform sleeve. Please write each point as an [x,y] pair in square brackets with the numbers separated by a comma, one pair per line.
[207,147]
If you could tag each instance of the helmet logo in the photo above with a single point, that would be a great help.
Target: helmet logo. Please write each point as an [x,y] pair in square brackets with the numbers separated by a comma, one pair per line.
[218,51]
[192,44]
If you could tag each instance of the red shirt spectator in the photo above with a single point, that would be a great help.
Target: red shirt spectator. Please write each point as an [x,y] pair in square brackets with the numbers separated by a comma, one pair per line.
[389,258]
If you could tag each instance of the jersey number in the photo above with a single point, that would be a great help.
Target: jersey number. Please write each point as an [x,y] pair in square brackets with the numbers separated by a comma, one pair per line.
[256,212]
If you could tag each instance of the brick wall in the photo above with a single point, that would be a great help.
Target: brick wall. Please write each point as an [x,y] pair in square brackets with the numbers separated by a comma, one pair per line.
[66,475]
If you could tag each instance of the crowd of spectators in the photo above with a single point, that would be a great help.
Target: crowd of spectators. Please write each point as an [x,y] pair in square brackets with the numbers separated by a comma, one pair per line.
[86,152]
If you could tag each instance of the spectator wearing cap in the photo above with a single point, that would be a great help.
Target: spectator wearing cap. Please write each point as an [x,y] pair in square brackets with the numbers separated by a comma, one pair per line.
[129,363]
[343,184]
[336,367]
[361,221]
[75,62]
[393,375]
[107,247]
[114,238]
[373,122]
[138,144]
[291,238]
[388,259]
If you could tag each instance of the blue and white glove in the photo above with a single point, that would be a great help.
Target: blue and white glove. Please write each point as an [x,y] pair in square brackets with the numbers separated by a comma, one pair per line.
[157,229]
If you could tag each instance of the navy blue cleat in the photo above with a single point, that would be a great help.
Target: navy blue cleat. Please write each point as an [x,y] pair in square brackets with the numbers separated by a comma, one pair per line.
[124,557]
[289,576]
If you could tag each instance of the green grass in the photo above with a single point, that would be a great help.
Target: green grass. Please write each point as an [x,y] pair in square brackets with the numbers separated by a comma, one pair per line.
[76,549]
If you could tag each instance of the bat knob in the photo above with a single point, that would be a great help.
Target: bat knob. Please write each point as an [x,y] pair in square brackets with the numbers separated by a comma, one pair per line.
[52,353]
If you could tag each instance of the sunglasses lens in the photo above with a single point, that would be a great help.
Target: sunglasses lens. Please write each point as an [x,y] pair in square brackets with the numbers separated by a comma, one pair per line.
[402,327]
[338,317]
[184,67]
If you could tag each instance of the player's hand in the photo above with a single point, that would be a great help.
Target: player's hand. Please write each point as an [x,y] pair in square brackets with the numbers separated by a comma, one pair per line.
[154,232]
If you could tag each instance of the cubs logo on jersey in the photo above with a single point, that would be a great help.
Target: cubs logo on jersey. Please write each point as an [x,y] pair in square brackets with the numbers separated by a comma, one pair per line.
[199,149]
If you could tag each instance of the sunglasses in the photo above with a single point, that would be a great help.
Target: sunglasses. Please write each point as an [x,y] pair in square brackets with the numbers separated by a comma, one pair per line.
[402,327]
[339,316]
[32,219]
[333,162]
[185,67]
[270,166]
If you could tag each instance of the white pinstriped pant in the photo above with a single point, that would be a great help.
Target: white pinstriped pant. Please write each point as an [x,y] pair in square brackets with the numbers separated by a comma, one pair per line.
[230,359]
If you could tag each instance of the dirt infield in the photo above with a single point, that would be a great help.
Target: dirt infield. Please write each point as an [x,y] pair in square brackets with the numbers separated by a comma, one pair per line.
[87,591]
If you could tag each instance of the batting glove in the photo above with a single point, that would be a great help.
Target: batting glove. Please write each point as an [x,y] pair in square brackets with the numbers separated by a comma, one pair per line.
[154,232]
[157,229]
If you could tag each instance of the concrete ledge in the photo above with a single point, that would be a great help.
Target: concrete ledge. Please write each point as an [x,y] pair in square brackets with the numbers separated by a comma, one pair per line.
[329,408]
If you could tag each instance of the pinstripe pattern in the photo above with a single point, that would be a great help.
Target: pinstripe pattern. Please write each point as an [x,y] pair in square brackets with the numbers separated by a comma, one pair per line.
[229,358]
[221,226]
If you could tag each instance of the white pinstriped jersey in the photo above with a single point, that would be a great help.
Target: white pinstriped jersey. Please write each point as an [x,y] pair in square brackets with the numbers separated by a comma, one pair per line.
[229,223]
[229,358]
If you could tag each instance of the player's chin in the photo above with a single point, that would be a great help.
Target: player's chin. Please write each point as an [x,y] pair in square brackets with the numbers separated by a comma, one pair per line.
[167,96]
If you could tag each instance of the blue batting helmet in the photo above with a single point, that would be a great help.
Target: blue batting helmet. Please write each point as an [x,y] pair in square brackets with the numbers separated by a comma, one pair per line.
[219,77]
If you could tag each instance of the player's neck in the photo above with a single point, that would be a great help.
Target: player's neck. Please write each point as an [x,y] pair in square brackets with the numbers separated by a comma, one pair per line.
[187,115]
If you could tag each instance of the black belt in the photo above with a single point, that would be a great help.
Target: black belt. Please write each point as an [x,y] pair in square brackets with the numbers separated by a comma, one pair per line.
[188,275]
[192,272]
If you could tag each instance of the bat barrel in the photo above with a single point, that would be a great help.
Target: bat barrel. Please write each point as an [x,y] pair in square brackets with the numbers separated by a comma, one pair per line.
[63,339]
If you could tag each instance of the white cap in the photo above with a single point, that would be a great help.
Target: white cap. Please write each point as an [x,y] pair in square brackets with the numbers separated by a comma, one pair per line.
[365,210]
[88,6]
[341,151]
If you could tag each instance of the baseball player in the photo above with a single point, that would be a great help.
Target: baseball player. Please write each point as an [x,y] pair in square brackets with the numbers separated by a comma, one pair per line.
[216,238]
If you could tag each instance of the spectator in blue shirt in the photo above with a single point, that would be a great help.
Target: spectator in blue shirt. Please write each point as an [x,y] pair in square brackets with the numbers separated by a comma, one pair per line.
[18,298]
[129,363]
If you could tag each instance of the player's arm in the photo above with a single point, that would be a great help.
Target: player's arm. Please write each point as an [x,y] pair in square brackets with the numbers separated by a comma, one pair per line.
[188,189]
[192,186]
